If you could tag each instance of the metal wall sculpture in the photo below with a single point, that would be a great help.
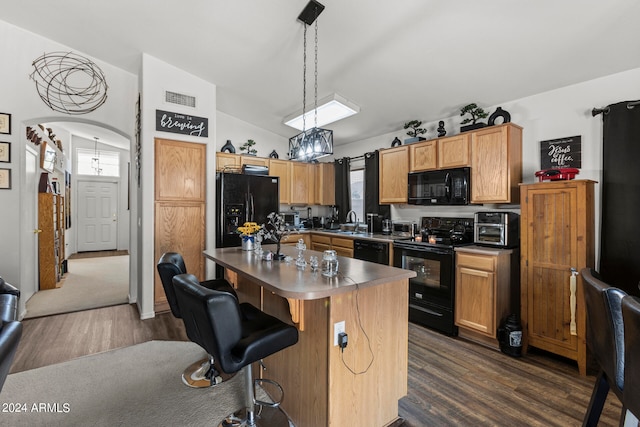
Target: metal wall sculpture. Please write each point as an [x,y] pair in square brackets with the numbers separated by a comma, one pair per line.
[69,83]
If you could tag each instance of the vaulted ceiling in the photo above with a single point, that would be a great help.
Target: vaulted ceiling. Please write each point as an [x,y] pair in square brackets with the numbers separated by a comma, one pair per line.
[400,60]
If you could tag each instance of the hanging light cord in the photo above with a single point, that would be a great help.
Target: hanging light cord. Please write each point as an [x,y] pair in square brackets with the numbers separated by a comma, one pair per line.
[315,103]
[304,79]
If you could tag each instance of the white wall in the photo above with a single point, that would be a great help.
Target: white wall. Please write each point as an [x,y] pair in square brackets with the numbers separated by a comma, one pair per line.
[157,77]
[555,114]
[238,131]
[20,99]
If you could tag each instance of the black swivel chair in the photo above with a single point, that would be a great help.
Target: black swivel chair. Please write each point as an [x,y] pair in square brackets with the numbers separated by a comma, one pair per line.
[605,339]
[237,335]
[631,392]
[10,327]
[201,373]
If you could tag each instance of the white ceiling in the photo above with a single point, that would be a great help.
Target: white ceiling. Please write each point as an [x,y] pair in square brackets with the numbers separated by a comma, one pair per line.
[400,60]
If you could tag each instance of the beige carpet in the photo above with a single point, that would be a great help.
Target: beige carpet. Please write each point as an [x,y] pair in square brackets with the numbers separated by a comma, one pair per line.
[133,386]
[89,283]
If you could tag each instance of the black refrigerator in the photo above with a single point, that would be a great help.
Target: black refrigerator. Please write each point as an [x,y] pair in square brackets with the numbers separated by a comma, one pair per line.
[243,198]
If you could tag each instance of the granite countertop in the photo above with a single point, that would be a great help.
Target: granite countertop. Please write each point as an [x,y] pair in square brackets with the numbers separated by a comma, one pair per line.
[287,280]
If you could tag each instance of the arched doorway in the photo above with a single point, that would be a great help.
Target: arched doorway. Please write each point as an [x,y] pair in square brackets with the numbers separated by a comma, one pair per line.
[81,133]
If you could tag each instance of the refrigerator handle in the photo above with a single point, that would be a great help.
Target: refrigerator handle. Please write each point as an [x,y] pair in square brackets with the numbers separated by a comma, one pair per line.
[246,208]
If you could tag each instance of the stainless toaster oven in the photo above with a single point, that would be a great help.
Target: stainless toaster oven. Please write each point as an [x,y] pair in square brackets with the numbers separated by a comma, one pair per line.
[498,229]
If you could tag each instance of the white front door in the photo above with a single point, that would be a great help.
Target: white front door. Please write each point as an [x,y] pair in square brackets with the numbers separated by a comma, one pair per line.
[97,216]
[29,255]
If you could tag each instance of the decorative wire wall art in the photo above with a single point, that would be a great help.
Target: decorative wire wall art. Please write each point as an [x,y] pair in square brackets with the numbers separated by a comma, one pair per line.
[69,83]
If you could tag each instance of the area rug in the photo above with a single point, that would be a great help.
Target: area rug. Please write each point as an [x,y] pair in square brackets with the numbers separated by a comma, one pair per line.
[133,386]
[89,283]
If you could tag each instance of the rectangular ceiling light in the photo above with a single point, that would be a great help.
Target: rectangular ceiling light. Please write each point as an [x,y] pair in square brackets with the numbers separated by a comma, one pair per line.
[330,109]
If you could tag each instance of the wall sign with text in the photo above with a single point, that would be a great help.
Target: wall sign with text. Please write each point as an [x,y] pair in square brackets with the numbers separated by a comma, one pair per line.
[182,123]
[561,153]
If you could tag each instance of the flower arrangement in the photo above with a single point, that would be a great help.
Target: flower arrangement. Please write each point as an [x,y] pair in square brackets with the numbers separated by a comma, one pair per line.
[248,229]
[275,229]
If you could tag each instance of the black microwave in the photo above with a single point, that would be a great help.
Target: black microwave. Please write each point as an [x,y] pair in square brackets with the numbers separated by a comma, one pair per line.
[440,187]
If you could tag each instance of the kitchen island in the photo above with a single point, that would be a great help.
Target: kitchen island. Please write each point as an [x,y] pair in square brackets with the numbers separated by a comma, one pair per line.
[324,386]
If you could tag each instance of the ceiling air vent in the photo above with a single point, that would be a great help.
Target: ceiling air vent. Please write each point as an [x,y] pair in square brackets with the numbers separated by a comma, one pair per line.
[180,99]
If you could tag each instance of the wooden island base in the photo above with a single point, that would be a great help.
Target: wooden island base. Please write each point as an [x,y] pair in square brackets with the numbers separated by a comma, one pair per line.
[324,386]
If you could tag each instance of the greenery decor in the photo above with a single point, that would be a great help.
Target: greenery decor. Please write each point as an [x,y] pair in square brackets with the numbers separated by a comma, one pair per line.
[248,147]
[416,130]
[475,112]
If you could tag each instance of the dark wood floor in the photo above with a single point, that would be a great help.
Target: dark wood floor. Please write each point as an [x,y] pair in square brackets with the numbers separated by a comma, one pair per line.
[452,382]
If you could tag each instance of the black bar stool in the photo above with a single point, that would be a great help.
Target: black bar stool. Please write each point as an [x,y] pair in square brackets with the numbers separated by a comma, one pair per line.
[237,335]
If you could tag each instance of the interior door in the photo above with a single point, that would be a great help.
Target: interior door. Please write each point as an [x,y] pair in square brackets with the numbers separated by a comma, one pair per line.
[97,216]
[29,256]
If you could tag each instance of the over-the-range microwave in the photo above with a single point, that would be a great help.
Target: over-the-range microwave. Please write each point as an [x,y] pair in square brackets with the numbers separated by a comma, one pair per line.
[440,187]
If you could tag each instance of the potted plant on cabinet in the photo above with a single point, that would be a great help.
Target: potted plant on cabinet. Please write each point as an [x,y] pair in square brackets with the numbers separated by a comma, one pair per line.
[248,147]
[476,113]
[415,131]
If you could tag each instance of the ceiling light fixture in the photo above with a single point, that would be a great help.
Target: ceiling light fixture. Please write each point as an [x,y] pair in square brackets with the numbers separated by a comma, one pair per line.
[313,143]
[330,109]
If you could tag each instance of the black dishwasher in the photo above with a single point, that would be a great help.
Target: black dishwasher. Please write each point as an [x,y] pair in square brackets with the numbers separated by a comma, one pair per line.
[372,251]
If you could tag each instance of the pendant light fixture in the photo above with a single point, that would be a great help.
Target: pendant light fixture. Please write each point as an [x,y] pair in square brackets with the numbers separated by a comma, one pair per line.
[313,143]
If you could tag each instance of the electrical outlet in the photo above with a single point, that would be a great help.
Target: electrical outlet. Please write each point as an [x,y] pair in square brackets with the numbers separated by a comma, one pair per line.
[337,328]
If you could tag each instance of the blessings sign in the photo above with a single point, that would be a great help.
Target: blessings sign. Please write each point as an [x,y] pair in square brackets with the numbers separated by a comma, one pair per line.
[561,153]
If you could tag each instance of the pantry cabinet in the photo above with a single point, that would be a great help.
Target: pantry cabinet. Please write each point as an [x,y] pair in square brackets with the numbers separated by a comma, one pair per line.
[486,281]
[393,177]
[496,164]
[557,235]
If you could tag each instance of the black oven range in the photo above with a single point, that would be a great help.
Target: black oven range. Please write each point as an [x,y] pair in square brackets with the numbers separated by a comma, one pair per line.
[431,255]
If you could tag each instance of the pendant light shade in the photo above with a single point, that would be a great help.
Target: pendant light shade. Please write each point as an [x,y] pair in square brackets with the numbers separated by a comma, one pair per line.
[311,144]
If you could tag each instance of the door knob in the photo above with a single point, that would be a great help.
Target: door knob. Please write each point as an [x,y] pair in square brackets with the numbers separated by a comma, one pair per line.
[36,231]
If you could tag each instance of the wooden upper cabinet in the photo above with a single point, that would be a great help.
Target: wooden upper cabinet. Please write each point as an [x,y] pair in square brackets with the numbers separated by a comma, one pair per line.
[180,170]
[444,153]
[253,160]
[227,161]
[323,181]
[496,164]
[301,178]
[394,170]
[282,169]
[423,156]
[454,152]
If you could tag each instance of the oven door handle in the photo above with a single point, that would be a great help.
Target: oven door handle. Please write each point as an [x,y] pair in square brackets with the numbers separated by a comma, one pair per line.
[421,248]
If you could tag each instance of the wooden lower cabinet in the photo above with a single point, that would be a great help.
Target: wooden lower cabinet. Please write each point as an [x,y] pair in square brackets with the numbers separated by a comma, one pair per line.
[484,289]
[342,246]
[557,234]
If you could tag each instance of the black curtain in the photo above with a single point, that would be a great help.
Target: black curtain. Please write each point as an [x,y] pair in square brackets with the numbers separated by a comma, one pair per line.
[343,192]
[371,190]
[620,232]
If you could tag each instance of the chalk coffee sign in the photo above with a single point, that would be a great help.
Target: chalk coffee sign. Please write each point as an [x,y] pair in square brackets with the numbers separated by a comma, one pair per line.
[182,123]
[561,153]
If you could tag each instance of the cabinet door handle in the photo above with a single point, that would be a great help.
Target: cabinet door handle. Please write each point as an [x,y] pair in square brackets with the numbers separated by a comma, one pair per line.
[36,231]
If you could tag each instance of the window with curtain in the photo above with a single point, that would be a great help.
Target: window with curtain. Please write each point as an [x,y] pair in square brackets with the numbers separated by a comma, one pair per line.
[97,163]
[356,184]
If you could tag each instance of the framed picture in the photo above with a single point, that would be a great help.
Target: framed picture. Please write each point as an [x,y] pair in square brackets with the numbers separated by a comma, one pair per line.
[5,152]
[5,123]
[5,179]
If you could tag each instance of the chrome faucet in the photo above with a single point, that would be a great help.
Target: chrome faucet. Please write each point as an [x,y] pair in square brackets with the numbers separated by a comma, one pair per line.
[355,216]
